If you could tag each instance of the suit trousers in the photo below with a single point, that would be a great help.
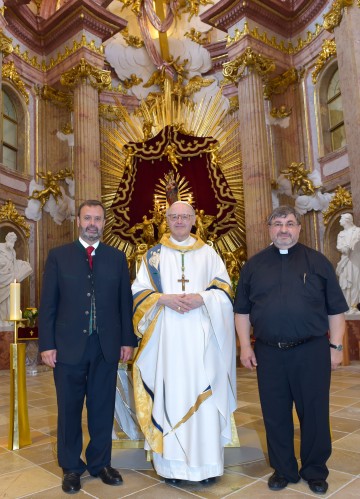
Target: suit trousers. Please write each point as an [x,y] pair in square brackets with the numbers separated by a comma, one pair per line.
[92,379]
[300,376]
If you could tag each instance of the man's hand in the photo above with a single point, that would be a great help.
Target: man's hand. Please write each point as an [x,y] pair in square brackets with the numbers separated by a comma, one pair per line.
[126,353]
[181,303]
[248,358]
[336,358]
[49,357]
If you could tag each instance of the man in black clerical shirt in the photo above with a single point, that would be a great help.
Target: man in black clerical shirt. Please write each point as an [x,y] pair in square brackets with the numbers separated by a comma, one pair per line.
[289,294]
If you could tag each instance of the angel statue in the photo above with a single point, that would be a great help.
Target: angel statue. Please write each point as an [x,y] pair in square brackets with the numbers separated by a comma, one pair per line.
[147,227]
[298,176]
[202,223]
[173,157]
[348,268]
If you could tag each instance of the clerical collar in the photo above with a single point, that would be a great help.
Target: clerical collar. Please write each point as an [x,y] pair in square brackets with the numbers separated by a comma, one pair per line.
[85,244]
[187,242]
[283,251]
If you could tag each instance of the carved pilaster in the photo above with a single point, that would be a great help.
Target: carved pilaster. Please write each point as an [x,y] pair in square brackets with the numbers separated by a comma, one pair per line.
[87,81]
[255,159]
[347,37]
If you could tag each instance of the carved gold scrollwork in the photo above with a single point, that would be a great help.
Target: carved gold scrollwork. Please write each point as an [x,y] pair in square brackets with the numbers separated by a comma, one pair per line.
[9,212]
[281,83]
[234,70]
[342,199]
[98,78]
[328,50]
[58,98]
[9,71]
[333,18]
[5,44]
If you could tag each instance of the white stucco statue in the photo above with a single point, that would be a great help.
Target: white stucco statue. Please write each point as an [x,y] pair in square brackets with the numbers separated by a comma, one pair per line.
[10,269]
[348,268]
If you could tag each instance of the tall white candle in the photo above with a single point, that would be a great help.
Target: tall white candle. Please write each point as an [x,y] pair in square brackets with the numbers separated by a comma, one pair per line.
[15,312]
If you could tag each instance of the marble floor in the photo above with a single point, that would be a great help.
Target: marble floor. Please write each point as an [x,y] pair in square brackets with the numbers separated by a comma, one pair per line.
[32,471]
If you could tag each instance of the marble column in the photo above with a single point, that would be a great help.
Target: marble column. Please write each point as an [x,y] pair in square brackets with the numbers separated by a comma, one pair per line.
[255,161]
[347,37]
[87,143]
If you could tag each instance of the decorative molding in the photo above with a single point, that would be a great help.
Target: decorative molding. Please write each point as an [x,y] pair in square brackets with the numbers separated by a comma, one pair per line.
[333,18]
[234,70]
[60,99]
[9,71]
[98,78]
[286,48]
[8,212]
[328,50]
[60,57]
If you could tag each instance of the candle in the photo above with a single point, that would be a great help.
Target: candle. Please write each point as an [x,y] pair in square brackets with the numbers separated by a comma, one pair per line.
[15,312]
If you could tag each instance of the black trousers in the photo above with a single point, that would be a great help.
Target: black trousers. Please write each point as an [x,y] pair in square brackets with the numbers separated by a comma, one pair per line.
[95,380]
[300,376]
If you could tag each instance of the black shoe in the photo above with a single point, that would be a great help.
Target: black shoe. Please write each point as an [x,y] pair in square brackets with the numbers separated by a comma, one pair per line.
[277,481]
[318,486]
[110,476]
[172,481]
[208,481]
[71,483]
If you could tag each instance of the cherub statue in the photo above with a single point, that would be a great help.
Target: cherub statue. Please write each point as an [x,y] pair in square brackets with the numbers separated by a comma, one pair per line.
[147,227]
[202,223]
[298,177]
[173,157]
[51,186]
[129,158]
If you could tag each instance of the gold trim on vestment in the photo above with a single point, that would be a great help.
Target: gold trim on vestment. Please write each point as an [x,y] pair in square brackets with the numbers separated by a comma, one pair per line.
[199,243]
[223,285]
[143,400]
[201,398]
[147,297]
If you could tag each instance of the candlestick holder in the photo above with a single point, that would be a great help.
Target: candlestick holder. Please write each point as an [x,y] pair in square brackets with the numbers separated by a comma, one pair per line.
[19,428]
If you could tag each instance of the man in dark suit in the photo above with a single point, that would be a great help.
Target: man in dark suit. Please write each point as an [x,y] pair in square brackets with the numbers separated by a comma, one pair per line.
[85,327]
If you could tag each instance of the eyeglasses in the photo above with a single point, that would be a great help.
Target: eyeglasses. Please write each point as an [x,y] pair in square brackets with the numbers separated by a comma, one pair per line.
[288,225]
[184,217]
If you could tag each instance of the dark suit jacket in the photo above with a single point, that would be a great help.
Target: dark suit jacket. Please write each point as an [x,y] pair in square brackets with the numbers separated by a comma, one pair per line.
[64,312]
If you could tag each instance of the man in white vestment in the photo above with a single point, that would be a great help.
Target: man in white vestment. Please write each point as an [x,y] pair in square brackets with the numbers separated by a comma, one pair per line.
[348,268]
[184,371]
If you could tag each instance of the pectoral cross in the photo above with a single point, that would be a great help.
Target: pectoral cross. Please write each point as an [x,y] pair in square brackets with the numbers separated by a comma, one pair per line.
[183,281]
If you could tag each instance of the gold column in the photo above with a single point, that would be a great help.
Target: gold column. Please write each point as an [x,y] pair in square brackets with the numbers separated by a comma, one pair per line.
[87,81]
[19,429]
[250,69]
[344,23]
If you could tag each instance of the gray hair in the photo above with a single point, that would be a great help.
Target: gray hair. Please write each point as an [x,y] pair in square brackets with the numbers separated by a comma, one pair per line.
[282,212]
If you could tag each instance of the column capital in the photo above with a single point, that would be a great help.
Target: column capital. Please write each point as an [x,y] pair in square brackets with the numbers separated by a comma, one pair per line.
[85,72]
[333,18]
[249,61]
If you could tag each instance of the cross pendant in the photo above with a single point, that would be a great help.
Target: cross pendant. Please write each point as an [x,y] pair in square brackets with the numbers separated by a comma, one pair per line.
[183,281]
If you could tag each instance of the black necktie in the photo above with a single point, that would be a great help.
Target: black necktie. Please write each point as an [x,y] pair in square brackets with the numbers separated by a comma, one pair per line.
[89,250]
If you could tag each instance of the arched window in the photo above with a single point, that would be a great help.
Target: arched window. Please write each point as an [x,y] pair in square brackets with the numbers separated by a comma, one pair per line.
[10,132]
[13,145]
[335,113]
